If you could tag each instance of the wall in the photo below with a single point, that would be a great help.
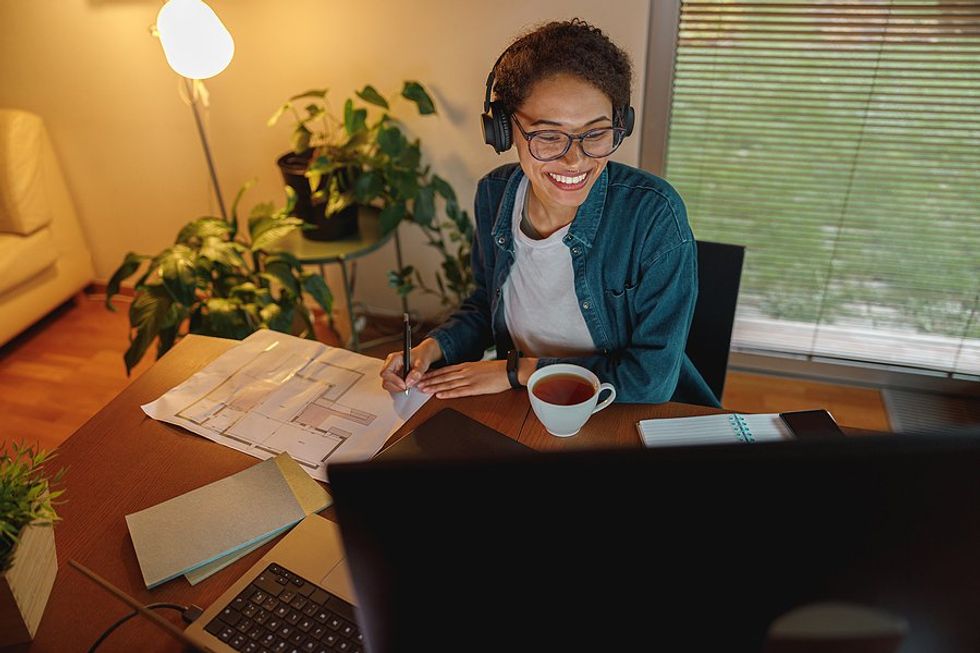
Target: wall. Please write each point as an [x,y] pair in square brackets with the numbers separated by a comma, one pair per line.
[128,144]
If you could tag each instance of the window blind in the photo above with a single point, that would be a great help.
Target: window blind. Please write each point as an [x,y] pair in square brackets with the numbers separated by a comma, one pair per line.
[840,143]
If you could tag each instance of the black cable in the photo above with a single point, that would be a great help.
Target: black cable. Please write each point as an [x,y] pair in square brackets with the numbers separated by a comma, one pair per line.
[183,609]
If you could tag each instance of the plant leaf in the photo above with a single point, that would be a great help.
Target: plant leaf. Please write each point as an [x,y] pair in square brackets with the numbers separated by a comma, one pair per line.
[369,94]
[317,288]
[417,94]
[227,319]
[131,263]
[313,92]
[368,186]
[194,232]
[178,273]
[278,114]
[442,187]
[391,215]
[424,210]
[391,141]
[267,234]
[148,312]
[301,139]
[234,206]
[355,120]
[281,273]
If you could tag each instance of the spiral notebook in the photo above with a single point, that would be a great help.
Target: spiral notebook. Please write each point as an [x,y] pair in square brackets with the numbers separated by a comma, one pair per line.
[731,428]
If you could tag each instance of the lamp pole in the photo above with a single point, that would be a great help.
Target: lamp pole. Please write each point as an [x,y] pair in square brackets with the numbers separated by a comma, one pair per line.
[207,148]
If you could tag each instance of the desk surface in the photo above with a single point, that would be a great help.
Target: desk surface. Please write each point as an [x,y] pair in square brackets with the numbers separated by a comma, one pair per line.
[121,461]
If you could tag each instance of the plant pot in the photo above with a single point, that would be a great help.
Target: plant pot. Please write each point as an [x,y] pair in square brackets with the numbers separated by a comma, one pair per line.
[333,227]
[25,587]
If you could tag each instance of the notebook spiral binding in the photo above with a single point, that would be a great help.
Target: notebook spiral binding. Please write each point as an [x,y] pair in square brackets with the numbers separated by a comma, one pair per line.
[740,427]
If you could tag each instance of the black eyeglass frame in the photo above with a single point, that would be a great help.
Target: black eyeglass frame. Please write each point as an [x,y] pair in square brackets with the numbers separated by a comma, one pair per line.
[618,136]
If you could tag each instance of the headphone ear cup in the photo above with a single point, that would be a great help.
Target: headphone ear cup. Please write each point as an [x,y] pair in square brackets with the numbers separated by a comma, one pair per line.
[504,128]
[629,117]
[496,128]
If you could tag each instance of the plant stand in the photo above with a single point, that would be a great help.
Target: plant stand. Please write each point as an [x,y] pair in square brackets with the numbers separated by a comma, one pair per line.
[25,587]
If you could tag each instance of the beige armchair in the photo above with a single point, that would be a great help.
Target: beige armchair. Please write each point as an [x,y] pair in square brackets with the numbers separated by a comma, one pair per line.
[44,259]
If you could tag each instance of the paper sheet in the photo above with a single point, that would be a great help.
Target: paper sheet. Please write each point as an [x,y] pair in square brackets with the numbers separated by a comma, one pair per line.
[274,392]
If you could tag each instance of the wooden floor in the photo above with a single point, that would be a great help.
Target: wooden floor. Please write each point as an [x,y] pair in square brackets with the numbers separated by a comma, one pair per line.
[59,373]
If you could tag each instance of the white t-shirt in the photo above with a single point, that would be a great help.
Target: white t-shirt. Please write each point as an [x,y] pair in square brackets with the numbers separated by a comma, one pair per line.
[540,305]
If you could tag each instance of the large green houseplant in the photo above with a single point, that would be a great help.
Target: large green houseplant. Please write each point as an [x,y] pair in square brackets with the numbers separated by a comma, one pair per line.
[28,561]
[218,280]
[365,159]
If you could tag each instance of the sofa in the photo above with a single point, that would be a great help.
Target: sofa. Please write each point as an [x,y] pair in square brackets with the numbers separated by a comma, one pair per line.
[44,259]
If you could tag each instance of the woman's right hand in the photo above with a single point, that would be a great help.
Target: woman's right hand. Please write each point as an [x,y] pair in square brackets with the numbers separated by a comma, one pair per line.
[424,355]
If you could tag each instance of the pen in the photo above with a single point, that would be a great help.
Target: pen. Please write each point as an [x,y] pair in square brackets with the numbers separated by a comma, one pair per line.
[407,351]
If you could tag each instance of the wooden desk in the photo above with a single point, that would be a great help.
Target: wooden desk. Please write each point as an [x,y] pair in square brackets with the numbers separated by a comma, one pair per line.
[122,461]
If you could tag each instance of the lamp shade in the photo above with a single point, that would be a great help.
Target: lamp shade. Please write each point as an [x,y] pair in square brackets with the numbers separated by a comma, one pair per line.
[195,41]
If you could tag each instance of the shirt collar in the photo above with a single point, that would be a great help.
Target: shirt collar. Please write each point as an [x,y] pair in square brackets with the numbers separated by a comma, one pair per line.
[584,226]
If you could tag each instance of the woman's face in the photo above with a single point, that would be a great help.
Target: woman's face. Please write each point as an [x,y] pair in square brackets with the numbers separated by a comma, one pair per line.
[570,104]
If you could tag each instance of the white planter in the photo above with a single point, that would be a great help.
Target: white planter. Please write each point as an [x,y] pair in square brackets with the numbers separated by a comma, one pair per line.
[25,587]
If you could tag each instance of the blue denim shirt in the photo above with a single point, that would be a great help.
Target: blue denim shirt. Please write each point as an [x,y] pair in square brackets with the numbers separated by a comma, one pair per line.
[634,261]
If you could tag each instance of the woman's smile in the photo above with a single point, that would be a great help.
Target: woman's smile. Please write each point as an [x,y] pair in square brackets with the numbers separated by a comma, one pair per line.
[569,183]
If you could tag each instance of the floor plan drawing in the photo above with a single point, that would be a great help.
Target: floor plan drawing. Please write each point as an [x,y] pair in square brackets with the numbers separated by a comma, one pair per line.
[279,393]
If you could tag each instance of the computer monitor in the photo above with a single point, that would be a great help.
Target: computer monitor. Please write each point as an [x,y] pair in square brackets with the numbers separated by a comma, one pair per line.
[682,549]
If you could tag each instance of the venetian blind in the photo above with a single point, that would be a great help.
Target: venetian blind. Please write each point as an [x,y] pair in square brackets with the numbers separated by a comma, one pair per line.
[840,142]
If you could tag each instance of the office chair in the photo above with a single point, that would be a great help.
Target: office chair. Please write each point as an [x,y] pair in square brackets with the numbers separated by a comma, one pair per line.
[719,276]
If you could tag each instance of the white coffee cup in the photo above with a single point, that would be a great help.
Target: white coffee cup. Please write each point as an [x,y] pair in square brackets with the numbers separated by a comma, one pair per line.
[559,417]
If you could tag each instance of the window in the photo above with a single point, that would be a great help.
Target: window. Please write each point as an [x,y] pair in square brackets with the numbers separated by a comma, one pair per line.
[840,142]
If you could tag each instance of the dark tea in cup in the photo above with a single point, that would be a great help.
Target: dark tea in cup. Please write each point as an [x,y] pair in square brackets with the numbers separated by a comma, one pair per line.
[564,389]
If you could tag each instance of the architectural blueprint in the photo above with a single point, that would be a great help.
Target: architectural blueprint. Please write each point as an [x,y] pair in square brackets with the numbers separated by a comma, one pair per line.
[273,392]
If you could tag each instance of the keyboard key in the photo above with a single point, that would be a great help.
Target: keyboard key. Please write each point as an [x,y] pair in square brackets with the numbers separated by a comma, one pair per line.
[305,625]
[244,625]
[298,602]
[293,617]
[215,626]
[259,597]
[306,588]
[347,630]
[287,596]
[274,624]
[330,639]
[281,610]
[280,647]
[230,617]
[309,646]
[251,647]
[226,634]
[344,646]
[268,639]
[297,638]
[250,609]
[319,596]
[238,642]
[310,609]
[270,603]
[261,617]
[267,583]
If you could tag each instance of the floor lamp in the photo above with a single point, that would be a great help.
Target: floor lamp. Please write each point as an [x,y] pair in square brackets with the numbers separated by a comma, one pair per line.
[197,46]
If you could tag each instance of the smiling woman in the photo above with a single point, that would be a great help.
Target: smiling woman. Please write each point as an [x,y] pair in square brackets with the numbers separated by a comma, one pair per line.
[576,259]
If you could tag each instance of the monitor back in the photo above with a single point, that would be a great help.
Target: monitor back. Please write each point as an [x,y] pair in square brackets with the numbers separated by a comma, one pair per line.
[695,548]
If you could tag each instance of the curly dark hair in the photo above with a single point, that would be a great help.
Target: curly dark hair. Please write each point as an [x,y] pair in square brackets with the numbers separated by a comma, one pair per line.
[572,47]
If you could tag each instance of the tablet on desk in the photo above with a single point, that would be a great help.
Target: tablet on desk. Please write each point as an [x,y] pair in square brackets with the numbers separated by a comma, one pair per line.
[451,434]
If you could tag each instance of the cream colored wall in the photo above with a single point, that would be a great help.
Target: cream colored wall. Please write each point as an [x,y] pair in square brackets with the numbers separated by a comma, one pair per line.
[128,144]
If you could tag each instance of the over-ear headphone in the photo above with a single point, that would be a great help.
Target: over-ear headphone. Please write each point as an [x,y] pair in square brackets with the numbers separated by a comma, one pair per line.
[497,130]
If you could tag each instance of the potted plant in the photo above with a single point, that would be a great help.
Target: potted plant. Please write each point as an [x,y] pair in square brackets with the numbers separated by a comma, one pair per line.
[337,165]
[28,563]
[217,281]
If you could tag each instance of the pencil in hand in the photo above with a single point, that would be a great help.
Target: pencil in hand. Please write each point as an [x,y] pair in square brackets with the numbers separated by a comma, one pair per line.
[407,351]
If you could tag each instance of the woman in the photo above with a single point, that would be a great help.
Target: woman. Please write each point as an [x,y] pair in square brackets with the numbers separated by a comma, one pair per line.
[576,259]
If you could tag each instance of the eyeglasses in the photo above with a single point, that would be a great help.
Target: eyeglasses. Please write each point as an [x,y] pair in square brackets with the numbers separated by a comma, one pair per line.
[552,144]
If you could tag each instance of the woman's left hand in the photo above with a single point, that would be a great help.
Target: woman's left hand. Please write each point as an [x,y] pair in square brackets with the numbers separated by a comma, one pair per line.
[465,379]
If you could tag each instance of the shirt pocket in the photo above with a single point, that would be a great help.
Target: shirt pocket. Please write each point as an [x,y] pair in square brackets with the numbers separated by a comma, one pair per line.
[619,307]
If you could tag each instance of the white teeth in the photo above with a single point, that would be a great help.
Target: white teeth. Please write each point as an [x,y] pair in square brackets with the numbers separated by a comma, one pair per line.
[569,180]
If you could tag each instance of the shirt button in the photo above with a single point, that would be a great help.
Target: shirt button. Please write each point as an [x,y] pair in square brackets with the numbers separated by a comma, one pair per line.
[585,305]
[501,240]
[576,250]
[567,239]
[498,292]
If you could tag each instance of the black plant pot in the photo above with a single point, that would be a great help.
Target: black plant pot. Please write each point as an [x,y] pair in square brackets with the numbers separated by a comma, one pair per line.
[337,226]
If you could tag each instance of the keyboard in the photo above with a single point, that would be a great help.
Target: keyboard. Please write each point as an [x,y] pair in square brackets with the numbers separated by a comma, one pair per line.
[282,612]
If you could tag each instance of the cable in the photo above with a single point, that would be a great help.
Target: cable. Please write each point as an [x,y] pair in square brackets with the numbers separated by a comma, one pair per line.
[188,613]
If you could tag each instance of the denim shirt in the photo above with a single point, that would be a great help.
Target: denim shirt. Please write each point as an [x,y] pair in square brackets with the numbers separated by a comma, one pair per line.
[634,262]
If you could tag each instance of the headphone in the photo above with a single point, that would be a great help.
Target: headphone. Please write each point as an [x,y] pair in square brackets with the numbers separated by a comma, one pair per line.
[497,130]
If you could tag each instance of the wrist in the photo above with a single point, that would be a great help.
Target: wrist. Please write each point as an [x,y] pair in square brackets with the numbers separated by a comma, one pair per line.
[525,368]
[430,350]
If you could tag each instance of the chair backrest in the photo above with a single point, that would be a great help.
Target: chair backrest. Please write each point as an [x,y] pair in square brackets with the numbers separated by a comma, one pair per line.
[719,276]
